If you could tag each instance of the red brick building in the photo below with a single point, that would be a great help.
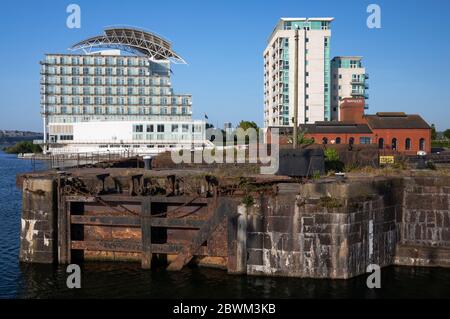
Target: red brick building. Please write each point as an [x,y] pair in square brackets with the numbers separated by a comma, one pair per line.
[391,131]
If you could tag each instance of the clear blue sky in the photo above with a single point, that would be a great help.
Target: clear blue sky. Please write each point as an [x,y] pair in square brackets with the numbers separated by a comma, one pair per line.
[223,41]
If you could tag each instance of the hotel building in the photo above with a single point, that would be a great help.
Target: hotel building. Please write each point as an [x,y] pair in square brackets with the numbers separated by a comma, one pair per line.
[118,97]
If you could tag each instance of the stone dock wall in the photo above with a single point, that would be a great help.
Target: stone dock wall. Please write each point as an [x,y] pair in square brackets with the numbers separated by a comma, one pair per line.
[321,229]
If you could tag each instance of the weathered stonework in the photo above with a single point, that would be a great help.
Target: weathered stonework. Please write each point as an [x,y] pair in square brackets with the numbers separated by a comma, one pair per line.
[305,235]
[425,227]
[37,237]
[319,229]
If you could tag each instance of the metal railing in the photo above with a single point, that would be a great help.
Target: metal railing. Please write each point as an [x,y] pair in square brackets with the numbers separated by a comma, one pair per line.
[66,160]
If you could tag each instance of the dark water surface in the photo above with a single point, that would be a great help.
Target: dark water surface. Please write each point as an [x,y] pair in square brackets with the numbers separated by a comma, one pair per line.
[128,280]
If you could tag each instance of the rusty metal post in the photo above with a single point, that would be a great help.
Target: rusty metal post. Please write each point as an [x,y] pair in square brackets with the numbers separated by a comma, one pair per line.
[241,244]
[146,233]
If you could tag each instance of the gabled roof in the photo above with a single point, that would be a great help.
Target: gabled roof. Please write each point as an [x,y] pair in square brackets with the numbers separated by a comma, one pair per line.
[396,120]
[328,128]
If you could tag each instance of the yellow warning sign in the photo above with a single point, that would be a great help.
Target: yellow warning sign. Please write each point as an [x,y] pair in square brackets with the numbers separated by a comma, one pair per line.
[387,159]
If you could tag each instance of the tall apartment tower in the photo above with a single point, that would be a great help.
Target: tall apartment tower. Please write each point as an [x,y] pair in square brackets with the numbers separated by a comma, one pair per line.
[314,72]
[348,80]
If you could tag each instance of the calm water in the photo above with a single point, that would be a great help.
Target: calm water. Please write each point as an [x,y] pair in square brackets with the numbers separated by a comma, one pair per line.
[116,280]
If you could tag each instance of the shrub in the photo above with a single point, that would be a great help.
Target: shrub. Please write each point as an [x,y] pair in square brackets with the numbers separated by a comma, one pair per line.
[23,147]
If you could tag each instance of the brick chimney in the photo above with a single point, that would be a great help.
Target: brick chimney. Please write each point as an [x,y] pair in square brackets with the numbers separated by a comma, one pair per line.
[352,110]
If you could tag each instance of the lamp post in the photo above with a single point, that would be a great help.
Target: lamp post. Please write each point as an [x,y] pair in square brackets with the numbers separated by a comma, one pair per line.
[295,131]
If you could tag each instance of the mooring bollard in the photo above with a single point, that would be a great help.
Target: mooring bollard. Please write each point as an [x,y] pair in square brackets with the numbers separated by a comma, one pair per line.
[147,162]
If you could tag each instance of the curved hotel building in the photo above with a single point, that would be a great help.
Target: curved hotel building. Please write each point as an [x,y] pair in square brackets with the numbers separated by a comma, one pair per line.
[104,100]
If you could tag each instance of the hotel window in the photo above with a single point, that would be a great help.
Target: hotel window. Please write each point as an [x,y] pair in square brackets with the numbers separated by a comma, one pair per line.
[185,128]
[173,111]
[408,144]
[160,128]
[338,140]
[163,101]
[150,128]
[183,110]
[325,140]
[97,110]
[97,81]
[138,128]
[364,140]
[174,128]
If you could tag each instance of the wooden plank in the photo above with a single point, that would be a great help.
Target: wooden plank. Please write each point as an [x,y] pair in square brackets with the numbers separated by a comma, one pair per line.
[68,206]
[104,245]
[131,221]
[80,198]
[125,221]
[146,230]
[133,247]
[225,207]
[139,199]
[177,223]
[62,228]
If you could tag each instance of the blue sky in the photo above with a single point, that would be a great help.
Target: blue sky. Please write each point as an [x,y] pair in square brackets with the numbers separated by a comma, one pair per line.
[407,59]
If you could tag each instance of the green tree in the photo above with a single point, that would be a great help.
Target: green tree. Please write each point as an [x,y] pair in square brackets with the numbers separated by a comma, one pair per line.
[23,147]
[447,133]
[248,124]
[433,132]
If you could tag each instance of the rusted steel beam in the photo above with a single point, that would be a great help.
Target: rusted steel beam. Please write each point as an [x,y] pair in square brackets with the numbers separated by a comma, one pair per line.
[125,221]
[130,221]
[180,200]
[138,199]
[117,245]
[146,231]
[80,198]
[170,249]
[133,247]
[177,223]
[223,209]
